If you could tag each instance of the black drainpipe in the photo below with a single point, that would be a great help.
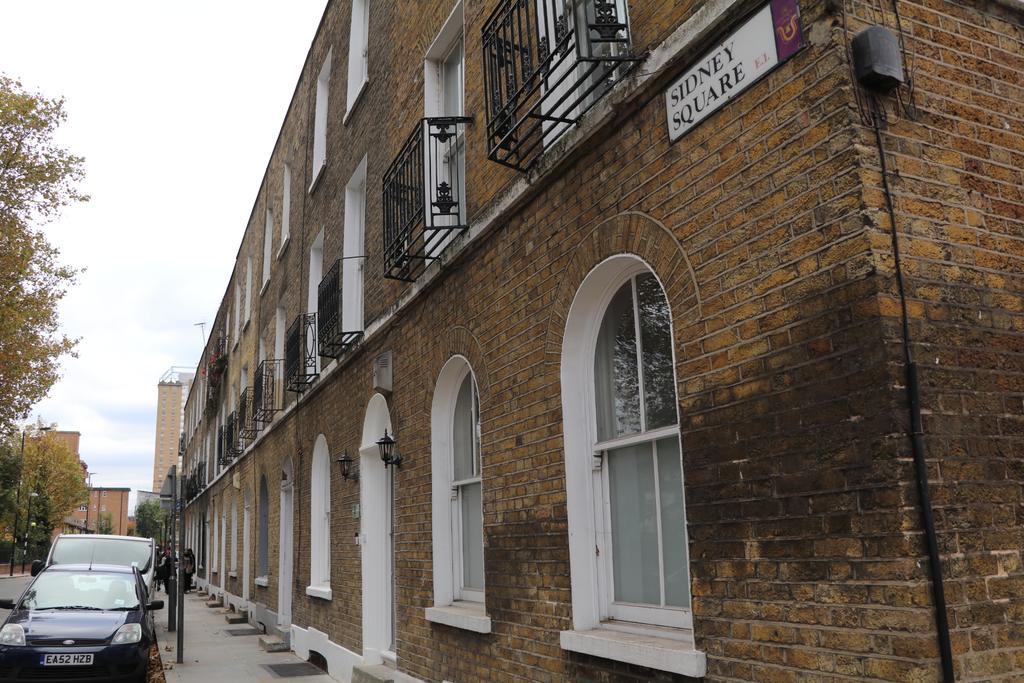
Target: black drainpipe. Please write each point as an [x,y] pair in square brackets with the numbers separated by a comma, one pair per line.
[916,429]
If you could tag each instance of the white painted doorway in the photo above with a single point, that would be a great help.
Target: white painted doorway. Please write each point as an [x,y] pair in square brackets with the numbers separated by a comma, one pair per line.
[222,548]
[376,496]
[246,530]
[285,547]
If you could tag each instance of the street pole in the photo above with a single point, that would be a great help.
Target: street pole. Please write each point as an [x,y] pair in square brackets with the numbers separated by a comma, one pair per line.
[17,505]
[172,613]
[28,528]
[181,576]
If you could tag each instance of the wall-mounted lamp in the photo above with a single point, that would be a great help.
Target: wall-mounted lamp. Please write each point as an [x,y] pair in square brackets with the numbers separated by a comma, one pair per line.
[346,467]
[387,450]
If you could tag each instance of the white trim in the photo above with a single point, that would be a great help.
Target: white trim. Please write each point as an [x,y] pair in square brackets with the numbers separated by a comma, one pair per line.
[469,616]
[655,649]
[355,103]
[320,519]
[340,660]
[316,175]
[262,581]
[233,574]
[321,591]
[373,534]
[280,249]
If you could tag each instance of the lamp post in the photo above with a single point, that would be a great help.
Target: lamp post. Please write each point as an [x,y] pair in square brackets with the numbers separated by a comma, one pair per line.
[17,504]
[88,504]
[28,528]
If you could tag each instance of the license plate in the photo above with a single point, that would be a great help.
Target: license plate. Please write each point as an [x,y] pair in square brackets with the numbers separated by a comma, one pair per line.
[66,660]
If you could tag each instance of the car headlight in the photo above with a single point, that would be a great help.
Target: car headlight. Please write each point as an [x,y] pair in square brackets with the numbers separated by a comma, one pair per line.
[129,633]
[12,634]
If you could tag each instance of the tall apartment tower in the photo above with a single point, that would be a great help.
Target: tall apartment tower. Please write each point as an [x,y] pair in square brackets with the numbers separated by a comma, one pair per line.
[170,401]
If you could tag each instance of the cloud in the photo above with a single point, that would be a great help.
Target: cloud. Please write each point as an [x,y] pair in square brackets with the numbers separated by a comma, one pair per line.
[176,109]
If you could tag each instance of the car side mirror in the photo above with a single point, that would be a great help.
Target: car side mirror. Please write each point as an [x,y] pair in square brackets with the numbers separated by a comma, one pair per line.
[155,604]
[37,566]
[6,603]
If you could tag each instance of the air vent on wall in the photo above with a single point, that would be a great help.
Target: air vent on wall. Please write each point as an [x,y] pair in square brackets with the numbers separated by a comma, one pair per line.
[382,373]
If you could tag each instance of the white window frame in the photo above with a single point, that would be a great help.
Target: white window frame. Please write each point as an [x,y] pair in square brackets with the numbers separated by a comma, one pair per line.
[320,522]
[248,290]
[268,249]
[453,603]
[315,275]
[353,252]
[286,208]
[358,55]
[320,118]
[234,535]
[594,627]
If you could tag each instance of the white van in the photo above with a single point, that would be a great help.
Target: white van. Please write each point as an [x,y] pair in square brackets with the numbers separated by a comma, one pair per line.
[127,551]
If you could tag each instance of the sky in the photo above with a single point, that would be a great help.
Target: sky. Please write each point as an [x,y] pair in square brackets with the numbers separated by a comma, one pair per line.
[176,108]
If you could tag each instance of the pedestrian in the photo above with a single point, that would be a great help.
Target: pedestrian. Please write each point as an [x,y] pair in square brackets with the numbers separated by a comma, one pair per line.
[163,571]
[190,568]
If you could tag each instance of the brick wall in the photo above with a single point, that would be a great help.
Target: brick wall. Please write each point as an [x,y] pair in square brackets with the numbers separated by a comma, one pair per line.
[767,224]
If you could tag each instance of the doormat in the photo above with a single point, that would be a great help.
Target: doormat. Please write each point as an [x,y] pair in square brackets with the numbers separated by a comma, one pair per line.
[292,669]
[243,631]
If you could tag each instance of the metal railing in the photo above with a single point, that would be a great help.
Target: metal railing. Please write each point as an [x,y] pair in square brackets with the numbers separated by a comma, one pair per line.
[332,337]
[235,445]
[425,196]
[546,62]
[247,428]
[266,394]
[300,353]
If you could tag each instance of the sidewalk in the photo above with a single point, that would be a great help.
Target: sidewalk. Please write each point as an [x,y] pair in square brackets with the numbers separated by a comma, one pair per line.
[214,654]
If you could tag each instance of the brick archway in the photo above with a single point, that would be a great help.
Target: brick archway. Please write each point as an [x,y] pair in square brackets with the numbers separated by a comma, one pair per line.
[630,232]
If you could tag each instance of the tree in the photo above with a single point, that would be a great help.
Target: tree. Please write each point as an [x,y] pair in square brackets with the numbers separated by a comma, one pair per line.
[106,524]
[149,520]
[37,179]
[51,470]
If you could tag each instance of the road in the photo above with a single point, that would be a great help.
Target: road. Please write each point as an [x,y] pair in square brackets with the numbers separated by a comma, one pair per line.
[12,588]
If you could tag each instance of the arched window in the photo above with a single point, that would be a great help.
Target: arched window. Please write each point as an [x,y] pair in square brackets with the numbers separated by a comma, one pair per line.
[638,443]
[457,493]
[628,549]
[320,522]
[263,541]
[234,534]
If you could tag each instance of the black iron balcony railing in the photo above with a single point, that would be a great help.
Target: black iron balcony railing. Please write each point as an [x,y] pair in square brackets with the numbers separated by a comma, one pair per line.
[332,336]
[222,456]
[266,395]
[425,196]
[235,445]
[546,62]
[300,353]
[247,429]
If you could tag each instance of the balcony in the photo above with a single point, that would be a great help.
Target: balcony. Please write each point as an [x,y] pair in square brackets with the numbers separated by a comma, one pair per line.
[235,443]
[214,370]
[300,353]
[266,398]
[546,62]
[223,458]
[333,338]
[247,429]
[424,196]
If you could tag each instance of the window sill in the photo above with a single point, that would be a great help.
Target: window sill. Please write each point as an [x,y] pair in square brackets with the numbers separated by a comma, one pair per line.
[233,575]
[469,616]
[265,287]
[355,102]
[213,571]
[245,327]
[282,248]
[655,649]
[263,581]
[317,175]
[322,592]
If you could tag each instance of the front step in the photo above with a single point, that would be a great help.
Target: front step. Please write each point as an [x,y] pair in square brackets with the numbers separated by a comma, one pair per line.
[380,673]
[273,644]
[236,617]
[214,602]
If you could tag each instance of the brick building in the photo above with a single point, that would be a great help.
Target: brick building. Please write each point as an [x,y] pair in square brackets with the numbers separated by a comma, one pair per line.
[564,270]
[104,502]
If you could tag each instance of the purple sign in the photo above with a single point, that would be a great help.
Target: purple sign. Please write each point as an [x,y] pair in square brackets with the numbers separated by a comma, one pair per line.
[786,21]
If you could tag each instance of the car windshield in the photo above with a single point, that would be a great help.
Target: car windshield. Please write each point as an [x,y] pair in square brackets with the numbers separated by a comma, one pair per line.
[82,590]
[87,550]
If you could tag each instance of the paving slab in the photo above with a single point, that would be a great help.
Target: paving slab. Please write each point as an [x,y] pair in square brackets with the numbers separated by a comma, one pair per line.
[213,653]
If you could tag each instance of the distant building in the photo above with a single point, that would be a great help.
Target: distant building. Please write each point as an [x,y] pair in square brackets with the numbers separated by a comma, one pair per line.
[170,401]
[104,500]
[143,496]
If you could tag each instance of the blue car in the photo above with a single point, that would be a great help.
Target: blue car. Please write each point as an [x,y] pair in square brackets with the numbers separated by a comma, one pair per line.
[79,622]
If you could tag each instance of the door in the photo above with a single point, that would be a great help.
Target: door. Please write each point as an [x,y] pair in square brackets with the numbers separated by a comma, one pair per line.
[246,515]
[284,584]
[377,538]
